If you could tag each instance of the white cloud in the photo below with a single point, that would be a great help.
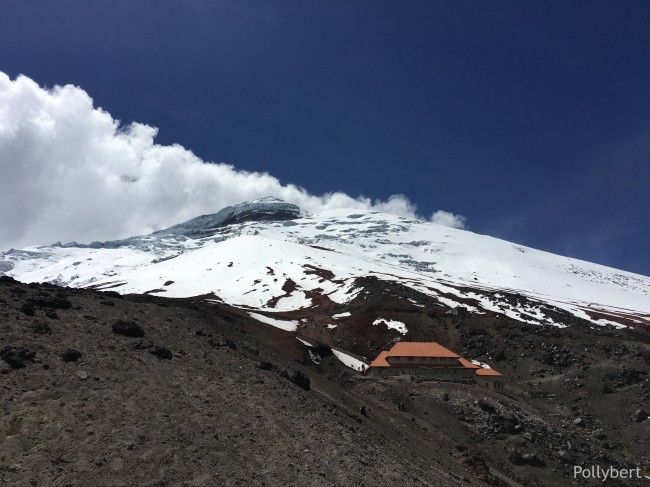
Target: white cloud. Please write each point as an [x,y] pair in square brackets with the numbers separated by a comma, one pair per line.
[442,217]
[71,172]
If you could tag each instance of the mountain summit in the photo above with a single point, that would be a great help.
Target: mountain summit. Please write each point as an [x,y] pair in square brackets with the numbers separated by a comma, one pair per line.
[262,209]
[309,273]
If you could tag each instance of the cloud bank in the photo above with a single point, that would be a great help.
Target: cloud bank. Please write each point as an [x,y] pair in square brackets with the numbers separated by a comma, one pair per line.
[72,172]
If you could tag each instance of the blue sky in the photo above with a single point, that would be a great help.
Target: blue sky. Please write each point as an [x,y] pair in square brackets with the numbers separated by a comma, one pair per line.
[532,119]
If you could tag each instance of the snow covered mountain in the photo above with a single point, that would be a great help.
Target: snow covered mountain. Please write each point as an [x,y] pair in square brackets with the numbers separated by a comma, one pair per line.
[283,265]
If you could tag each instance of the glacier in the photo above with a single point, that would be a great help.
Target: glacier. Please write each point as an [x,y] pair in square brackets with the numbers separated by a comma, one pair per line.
[270,256]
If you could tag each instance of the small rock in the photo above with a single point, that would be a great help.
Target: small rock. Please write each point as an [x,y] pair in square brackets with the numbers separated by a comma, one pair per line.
[579,422]
[83,375]
[599,434]
[161,352]
[71,355]
[486,406]
[40,328]
[28,309]
[128,328]
[639,416]
[142,345]
[515,457]
[528,436]
[17,358]
[301,380]
[566,457]
[265,366]
[532,459]
[51,314]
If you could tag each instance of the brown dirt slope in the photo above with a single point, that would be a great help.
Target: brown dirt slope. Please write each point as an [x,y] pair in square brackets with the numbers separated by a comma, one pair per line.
[226,409]
[210,397]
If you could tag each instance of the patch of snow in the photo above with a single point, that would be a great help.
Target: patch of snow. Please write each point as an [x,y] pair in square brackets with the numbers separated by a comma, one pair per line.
[341,315]
[286,325]
[304,342]
[483,365]
[350,361]
[393,324]
[330,326]
[297,300]
[603,321]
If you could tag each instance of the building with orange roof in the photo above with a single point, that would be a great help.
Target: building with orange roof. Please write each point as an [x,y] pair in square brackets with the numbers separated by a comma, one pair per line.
[489,378]
[469,364]
[432,360]
[380,361]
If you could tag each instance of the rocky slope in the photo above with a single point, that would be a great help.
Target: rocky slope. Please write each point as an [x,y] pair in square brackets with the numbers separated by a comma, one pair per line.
[104,389]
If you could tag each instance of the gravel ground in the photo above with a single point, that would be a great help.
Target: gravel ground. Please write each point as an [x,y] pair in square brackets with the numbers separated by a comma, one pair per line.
[98,389]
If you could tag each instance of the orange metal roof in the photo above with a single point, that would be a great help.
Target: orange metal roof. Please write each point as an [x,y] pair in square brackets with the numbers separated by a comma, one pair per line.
[428,349]
[466,363]
[380,361]
[421,349]
[488,372]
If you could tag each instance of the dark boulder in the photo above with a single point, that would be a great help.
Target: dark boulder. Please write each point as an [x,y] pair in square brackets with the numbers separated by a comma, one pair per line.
[71,355]
[53,302]
[40,328]
[51,314]
[17,358]
[486,406]
[128,328]
[28,309]
[162,353]
[301,380]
